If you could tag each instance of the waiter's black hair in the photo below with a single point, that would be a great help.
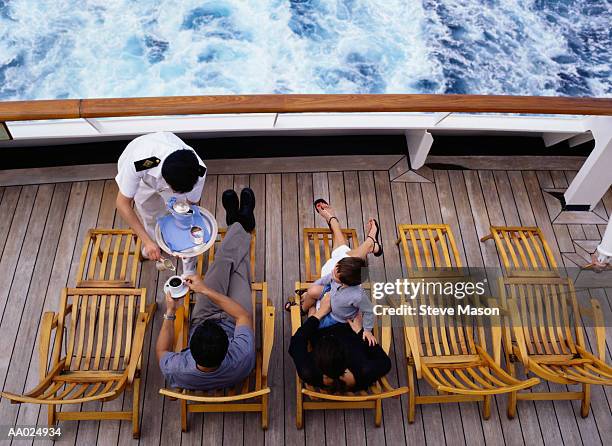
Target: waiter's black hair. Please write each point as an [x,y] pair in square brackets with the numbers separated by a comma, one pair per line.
[181,170]
[208,344]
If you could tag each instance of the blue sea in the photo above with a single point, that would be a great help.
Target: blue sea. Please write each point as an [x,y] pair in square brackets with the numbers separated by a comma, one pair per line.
[124,48]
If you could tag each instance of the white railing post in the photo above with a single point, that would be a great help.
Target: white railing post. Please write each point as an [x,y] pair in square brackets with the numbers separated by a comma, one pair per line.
[595,176]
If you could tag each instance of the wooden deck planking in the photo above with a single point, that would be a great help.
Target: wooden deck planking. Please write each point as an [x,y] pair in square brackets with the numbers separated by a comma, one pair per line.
[468,201]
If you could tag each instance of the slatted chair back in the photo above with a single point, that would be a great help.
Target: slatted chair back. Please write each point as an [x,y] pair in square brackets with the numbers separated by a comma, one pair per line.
[436,335]
[318,246]
[109,259]
[524,251]
[99,329]
[548,315]
[429,250]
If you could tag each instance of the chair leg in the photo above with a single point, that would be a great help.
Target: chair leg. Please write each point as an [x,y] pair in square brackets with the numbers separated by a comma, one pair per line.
[411,395]
[184,415]
[299,404]
[486,407]
[586,400]
[512,395]
[264,412]
[136,409]
[378,413]
[486,237]
[51,418]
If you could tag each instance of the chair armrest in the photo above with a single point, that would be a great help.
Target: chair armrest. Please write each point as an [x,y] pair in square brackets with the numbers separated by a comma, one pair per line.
[150,311]
[138,341]
[600,329]
[385,333]
[517,328]
[296,319]
[496,331]
[49,323]
[412,342]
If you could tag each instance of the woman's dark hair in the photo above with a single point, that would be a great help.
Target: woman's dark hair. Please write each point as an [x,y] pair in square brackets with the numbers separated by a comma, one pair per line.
[349,270]
[181,170]
[330,357]
[208,344]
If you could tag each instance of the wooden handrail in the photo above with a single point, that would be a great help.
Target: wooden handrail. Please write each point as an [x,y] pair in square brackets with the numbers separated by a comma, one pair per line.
[299,103]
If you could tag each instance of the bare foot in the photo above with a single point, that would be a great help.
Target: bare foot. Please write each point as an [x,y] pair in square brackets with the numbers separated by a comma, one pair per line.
[596,265]
[326,211]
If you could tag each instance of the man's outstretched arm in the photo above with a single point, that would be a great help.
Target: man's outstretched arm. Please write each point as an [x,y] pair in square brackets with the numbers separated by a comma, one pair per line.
[227,304]
[124,206]
[165,340]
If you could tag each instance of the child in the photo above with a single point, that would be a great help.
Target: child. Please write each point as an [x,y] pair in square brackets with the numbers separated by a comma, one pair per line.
[346,295]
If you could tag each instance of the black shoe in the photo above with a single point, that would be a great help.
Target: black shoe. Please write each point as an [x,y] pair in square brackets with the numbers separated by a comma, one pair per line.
[245,214]
[229,199]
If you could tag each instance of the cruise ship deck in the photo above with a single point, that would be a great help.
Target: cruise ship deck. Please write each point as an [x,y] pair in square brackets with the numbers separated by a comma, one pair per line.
[47,212]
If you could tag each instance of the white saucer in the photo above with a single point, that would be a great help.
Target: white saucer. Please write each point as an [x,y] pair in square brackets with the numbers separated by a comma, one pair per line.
[177,294]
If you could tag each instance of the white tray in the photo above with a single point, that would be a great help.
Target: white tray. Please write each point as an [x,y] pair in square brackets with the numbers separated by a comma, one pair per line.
[209,219]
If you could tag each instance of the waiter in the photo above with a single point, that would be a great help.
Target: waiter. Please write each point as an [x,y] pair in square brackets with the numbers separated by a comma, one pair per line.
[151,169]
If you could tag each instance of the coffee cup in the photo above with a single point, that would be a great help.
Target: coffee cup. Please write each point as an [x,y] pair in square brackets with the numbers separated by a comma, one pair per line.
[176,286]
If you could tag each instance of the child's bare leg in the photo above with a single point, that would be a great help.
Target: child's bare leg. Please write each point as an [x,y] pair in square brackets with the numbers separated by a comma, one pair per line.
[327,212]
[310,297]
[368,245]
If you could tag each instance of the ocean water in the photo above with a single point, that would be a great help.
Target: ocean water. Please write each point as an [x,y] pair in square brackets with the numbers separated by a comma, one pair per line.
[111,48]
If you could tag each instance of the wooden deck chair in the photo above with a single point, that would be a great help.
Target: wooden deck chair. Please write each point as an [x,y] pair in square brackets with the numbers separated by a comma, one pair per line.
[429,250]
[444,351]
[90,350]
[319,240]
[543,332]
[109,259]
[252,395]
[524,251]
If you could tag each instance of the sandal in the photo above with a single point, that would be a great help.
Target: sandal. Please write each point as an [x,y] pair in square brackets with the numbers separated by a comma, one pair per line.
[291,303]
[317,202]
[376,241]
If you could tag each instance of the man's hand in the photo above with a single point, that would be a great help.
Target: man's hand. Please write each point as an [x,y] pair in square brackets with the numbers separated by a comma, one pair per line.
[151,250]
[195,283]
[324,307]
[172,304]
[369,338]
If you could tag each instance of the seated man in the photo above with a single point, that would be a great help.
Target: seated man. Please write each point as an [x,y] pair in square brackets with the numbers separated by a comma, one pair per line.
[221,350]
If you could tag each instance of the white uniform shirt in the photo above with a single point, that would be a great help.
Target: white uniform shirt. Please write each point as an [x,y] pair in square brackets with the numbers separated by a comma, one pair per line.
[159,145]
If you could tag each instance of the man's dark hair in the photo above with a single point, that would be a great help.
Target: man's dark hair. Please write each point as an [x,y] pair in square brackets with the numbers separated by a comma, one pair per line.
[349,270]
[330,357]
[181,170]
[208,344]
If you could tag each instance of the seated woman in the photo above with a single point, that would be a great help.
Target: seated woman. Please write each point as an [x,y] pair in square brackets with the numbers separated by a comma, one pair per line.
[341,276]
[339,360]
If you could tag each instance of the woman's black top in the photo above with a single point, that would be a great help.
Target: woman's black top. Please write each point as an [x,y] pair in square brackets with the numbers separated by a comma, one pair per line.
[367,364]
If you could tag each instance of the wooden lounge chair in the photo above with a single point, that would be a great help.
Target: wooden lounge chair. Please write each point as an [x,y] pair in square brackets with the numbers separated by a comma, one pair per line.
[429,250]
[97,338]
[543,332]
[524,251]
[251,395]
[109,259]
[319,240]
[444,351]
